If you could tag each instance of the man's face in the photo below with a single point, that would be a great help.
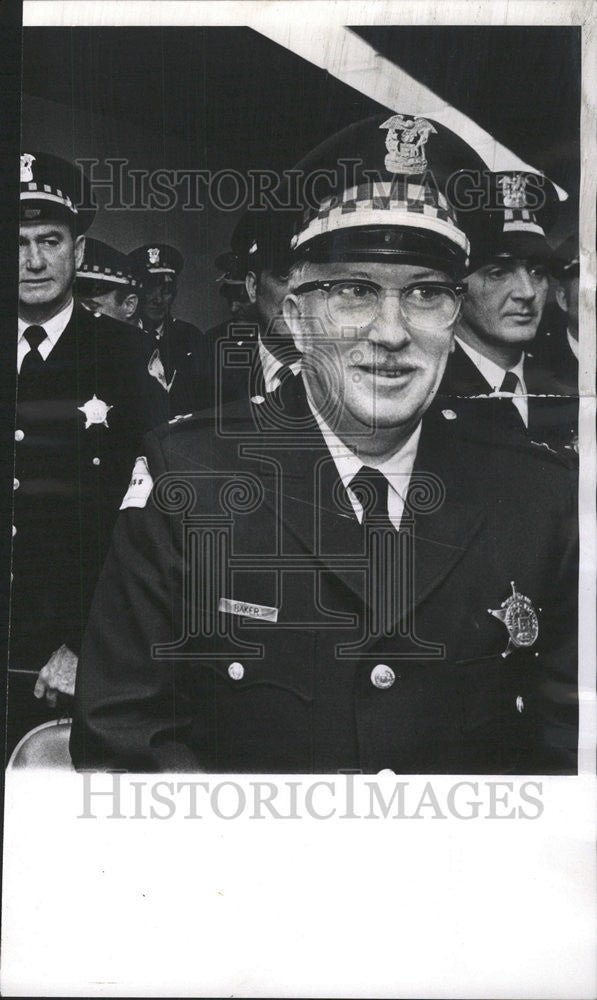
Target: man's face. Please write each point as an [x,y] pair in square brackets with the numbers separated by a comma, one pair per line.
[111,304]
[156,299]
[268,292]
[385,374]
[504,301]
[567,298]
[48,258]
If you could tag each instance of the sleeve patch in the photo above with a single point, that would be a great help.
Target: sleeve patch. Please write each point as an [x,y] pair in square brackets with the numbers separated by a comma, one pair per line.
[140,485]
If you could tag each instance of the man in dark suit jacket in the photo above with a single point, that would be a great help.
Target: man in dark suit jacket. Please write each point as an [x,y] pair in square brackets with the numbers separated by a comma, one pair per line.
[334,577]
[81,411]
[495,373]
[178,350]
[251,353]
[555,350]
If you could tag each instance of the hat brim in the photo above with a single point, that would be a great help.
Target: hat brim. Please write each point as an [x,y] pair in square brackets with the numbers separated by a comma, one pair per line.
[391,244]
[522,246]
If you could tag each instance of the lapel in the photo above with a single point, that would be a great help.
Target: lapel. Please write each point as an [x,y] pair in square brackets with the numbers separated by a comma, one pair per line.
[462,377]
[442,536]
[314,511]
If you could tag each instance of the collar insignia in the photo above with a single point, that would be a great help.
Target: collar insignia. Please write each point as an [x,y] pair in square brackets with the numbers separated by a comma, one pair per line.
[405,143]
[520,618]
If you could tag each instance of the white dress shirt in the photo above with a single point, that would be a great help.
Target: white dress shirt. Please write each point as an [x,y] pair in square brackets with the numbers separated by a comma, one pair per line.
[54,328]
[397,469]
[494,374]
[572,343]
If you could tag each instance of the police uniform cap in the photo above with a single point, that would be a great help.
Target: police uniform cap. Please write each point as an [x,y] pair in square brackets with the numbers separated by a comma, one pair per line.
[55,190]
[261,239]
[156,259]
[515,211]
[105,265]
[386,194]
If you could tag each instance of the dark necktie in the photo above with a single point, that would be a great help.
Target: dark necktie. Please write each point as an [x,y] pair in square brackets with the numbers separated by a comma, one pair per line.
[33,363]
[370,487]
[510,383]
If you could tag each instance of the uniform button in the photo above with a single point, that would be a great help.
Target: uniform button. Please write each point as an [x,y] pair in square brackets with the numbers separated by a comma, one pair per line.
[14,530]
[96,461]
[236,671]
[386,772]
[19,435]
[449,414]
[520,704]
[382,676]
[15,484]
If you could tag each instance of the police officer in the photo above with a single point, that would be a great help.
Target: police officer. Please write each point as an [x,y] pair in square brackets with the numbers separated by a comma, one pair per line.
[179,353]
[493,374]
[340,579]
[556,348]
[79,418]
[233,285]
[251,354]
[105,283]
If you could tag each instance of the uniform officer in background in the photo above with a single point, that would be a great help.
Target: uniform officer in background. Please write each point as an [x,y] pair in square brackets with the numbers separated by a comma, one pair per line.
[233,286]
[556,350]
[178,359]
[105,283]
[342,580]
[251,354]
[493,375]
[79,418]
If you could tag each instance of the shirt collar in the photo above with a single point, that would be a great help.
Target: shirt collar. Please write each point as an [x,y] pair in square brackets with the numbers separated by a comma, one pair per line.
[271,365]
[492,372]
[53,327]
[397,469]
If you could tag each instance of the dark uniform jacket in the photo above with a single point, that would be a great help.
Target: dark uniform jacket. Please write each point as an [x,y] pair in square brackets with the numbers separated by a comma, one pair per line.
[245,620]
[178,362]
[553,413]
[78,427]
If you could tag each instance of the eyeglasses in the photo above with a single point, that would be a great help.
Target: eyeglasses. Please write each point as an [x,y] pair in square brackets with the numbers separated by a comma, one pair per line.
[426,305]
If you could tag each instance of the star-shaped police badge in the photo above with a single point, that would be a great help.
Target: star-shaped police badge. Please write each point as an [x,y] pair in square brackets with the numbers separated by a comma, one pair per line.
[520,618]
[96,412]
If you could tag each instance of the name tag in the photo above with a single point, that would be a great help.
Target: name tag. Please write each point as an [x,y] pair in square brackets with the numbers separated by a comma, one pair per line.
[247,610]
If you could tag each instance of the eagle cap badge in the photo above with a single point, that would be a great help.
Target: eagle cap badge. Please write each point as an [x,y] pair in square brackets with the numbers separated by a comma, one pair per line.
[405,143]
[520,618]
[96,412]
[514,191]
[27,161]
[153,255]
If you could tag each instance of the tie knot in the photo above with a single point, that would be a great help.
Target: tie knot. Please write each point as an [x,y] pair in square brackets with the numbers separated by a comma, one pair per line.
[370,487]
[34,336]
[510,382]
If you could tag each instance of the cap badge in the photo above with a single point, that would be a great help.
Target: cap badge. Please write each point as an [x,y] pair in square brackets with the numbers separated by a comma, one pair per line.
[153,255]
[405,143]
[26,169]
[520,618]
[514,191]
[96,412]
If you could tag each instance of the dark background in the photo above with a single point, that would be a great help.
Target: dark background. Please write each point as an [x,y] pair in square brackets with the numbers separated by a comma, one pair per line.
[221,98]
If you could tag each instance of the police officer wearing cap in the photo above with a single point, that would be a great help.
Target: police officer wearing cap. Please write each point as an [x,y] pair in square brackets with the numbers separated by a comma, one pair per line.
[493,374]
[105,283]
[179,353]
[556,347]
[253,353]
[233,285]
[79,418]
[340,579]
